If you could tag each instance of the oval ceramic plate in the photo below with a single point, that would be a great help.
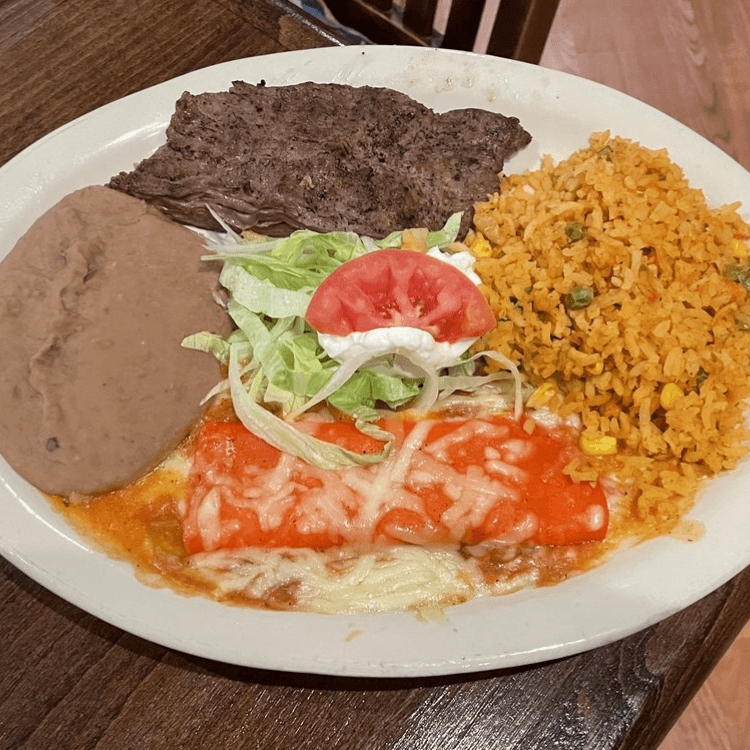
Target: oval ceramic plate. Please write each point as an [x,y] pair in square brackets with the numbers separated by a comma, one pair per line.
[636,588]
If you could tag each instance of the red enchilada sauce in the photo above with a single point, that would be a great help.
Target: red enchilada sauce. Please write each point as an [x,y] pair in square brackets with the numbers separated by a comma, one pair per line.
[446,481]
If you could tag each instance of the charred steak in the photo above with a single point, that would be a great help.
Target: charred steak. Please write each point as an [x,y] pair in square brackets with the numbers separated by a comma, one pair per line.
[323,157]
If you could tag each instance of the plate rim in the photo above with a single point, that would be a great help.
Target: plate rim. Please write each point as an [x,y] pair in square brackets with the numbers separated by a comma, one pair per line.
[339,660]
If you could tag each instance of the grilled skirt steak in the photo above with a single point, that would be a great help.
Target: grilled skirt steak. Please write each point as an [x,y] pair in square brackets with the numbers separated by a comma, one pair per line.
[324,157]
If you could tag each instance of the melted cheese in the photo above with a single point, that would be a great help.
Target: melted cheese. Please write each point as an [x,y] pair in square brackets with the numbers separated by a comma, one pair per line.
[143,523]
[352,501]
[474,428]
[400,578]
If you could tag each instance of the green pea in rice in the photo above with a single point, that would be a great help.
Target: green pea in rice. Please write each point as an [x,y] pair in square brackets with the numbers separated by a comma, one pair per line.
[621,221]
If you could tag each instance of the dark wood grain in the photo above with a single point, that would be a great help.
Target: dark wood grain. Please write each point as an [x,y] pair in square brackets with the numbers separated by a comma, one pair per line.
[70,681]
[81,54]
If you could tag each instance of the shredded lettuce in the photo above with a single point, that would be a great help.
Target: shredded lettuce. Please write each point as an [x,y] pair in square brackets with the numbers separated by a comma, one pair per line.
[284,436]
[263,295]
[277,365]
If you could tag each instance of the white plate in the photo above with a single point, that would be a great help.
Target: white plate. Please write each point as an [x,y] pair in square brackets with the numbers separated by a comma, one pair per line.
[637,588]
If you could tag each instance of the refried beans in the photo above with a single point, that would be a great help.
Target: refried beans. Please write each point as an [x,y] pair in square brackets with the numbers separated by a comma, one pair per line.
[95,300]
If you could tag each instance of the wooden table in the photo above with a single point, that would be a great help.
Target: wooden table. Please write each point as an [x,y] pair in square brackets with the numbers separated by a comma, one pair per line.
[68,680]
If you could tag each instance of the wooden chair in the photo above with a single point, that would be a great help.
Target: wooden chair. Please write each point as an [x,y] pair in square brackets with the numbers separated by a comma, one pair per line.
[519,31]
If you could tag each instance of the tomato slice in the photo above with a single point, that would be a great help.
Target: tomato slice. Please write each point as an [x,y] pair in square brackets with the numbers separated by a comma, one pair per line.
[400,288]
[448,481]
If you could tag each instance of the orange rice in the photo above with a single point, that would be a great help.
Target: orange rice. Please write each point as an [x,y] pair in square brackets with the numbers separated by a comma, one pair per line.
[622,221]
